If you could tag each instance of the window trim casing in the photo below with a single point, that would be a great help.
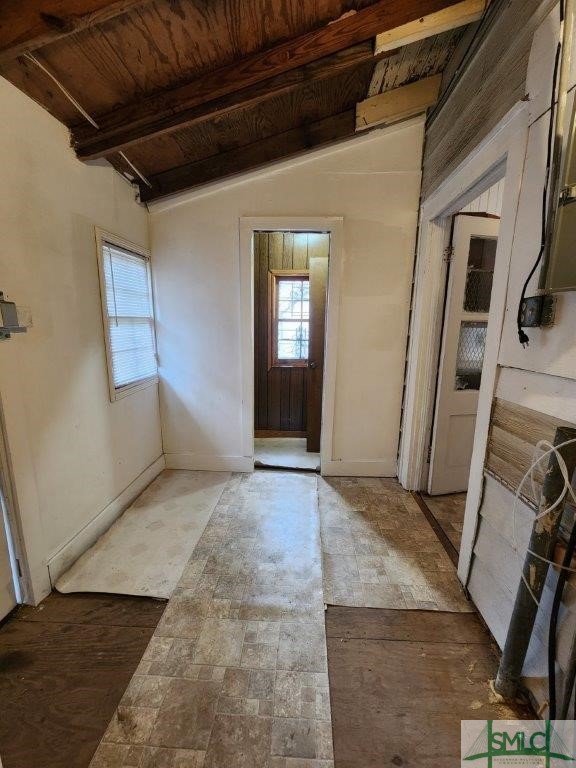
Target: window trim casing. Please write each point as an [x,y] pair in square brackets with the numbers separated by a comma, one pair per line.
[274,275]
[103,236]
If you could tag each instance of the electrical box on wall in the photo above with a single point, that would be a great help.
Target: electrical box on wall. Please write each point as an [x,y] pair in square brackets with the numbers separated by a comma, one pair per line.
[561,268]
[9,320]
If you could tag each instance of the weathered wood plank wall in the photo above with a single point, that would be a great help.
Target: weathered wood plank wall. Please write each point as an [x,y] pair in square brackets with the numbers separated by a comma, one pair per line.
[492,83]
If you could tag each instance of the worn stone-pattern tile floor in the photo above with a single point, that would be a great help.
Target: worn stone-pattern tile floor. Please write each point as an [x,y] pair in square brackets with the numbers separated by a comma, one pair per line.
[379,551]
[235,675]
[449,512]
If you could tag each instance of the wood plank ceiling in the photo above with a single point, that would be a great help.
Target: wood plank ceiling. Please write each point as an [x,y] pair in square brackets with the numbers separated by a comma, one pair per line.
[178,93]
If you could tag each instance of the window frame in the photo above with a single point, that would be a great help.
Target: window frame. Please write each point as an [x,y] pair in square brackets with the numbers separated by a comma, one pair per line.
[274,277]
[104,237]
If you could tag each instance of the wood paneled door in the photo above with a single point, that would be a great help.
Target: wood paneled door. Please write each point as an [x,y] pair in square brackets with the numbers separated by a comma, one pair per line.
[290,274]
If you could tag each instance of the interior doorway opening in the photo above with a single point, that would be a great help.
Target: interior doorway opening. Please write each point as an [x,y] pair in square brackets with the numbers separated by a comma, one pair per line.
[471,259]
[290,298]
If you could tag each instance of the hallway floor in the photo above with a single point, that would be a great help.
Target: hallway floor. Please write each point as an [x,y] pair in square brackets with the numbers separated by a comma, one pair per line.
[449,513]
[236,674]
[284,452]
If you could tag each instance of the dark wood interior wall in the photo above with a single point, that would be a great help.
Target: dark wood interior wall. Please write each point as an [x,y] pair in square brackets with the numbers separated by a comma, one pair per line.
[492,83]
[280,393]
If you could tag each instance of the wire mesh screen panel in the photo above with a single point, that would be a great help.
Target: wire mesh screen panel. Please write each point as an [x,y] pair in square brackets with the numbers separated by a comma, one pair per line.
[481,259]
[470,356]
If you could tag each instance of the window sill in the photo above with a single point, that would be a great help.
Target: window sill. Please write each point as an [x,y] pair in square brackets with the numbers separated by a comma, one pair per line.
[130,389]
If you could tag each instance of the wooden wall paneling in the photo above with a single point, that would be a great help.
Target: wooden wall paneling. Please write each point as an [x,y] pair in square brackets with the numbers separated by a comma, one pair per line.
[275,250]
[300,252]
[514,433]
[492,83]
[285,413]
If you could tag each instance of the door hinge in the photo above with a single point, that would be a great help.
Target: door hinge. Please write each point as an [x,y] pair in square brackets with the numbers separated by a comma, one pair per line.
[568,195]
[429,454]
[18,568]
[448,254]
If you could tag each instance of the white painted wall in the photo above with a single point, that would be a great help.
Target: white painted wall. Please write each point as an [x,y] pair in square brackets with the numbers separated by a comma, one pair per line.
[373,182]
[73,452]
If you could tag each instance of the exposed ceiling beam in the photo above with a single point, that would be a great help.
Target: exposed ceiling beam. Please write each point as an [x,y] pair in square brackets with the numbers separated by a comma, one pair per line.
[398,104]
[135,118]
[26,25]
[90,144]
[253,156]
[457,15]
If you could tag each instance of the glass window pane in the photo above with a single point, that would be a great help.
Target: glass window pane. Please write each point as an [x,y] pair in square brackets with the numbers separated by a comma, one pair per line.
[292,340]
[293,299]
[470,356]
[481,259]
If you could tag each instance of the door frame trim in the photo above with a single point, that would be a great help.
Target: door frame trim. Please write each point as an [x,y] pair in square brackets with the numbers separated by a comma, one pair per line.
[335,226]
[16,545]
[502,152]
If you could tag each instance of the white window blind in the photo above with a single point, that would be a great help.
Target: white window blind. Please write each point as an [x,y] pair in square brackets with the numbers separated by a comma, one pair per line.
[129,314]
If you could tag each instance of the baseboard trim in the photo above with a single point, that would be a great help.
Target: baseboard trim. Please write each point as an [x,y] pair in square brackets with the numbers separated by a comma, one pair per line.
[61,560]
[359,468]
[195,461]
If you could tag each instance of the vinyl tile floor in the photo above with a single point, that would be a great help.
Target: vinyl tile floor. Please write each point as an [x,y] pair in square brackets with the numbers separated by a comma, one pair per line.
[379,551]
[288,452]
[235,675]
[449,513]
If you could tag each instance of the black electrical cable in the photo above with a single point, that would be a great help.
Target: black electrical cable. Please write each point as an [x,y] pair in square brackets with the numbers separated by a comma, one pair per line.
[562,579]
[522,335]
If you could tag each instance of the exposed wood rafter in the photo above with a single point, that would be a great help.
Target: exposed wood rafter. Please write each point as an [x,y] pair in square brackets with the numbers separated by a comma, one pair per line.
[26,25]
[98,143]
[457,15]
[398,104]
[252,157]
[158,112]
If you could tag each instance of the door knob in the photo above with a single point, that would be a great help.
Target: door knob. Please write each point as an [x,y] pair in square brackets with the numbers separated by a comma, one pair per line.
[311,364]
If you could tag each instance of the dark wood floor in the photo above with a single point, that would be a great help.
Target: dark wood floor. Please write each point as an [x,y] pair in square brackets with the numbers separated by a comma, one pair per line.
[63,669]
[401,681]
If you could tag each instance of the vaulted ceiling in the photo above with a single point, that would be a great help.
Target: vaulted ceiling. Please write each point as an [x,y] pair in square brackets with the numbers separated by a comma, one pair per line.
[178,93]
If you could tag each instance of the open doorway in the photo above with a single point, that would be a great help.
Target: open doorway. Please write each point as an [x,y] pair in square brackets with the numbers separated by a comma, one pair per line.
[290,289]
[471,261]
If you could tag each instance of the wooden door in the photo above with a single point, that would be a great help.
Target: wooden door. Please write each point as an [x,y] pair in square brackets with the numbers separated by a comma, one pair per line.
[318,276]
[462,355]
[281,386]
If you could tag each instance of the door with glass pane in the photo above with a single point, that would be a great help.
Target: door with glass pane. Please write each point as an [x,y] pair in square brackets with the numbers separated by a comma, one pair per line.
[463,341]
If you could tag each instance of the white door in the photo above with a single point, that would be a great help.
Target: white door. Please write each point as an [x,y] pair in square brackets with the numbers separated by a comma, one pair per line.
[463,340]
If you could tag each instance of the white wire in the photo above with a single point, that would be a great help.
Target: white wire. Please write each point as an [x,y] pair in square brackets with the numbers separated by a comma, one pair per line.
[555,449]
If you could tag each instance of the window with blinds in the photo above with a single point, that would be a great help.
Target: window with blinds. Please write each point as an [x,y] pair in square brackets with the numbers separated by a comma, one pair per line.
[128,316]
